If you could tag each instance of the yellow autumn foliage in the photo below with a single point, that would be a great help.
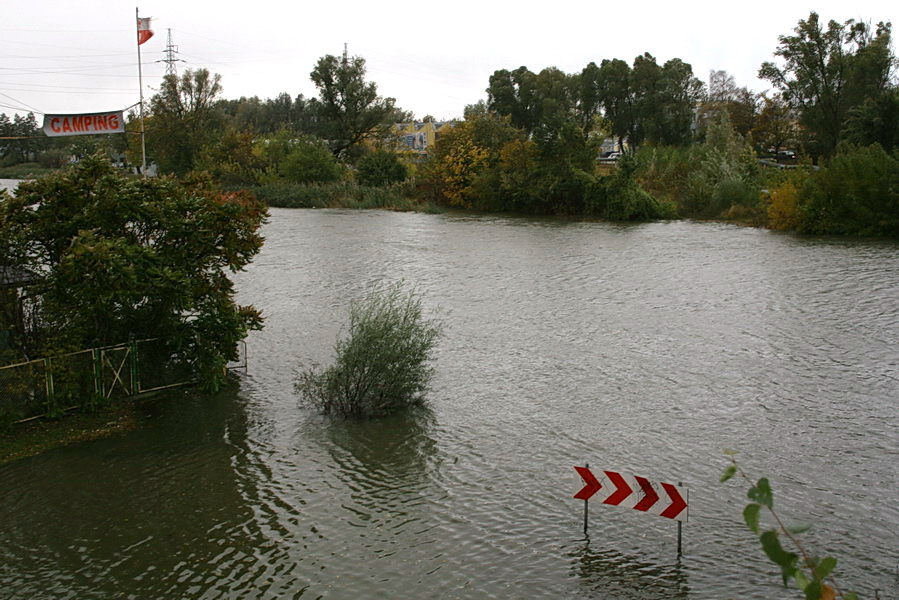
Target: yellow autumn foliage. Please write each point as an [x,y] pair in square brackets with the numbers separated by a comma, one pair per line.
[783,207]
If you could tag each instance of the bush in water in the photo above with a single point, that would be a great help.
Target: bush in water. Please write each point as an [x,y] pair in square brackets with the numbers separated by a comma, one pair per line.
[382,364]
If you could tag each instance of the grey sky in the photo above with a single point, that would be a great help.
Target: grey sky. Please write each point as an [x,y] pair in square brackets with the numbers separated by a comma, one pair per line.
[68,57]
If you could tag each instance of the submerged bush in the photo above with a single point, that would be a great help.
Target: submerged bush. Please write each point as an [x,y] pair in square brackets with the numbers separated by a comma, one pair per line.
[383,363]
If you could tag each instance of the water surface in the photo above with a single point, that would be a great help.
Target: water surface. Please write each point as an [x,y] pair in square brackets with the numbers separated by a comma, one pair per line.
[646,349]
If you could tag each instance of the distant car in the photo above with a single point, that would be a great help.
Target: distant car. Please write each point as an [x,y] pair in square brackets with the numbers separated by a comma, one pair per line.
[786,155]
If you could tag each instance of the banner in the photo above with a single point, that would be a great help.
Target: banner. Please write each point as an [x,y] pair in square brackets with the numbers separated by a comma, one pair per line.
[84,124]
[144,32]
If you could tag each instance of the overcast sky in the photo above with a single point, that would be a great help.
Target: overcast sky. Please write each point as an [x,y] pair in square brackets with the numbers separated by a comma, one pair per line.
[433,58]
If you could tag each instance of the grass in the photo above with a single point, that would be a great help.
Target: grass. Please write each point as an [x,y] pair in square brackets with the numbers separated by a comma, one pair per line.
[24,171]
[35,437]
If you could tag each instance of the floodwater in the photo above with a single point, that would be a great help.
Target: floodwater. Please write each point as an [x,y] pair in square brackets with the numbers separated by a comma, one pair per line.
[645,349]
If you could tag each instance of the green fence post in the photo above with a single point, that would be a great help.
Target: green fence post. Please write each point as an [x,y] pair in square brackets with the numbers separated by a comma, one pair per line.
[51,393]
[98,373]
[134,385]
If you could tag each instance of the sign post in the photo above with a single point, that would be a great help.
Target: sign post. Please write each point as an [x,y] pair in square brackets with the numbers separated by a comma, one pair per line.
[632,491]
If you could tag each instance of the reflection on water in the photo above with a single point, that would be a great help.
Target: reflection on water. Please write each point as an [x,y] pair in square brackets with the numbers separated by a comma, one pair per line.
[644,349]
[607,574]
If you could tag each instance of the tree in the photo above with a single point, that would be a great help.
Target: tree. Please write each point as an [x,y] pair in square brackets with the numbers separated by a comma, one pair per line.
[665,100]
[381,167]
[875,121]
[776,125]
[135,258]
[616,94]
[183,118]
[741,104]
[514,94]
[349,108]
[26,138]
[827,71]
[286,156]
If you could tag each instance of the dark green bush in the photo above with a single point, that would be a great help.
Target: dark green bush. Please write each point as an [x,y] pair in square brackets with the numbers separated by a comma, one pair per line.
[382,364]
[380,168]
[856,193]
[619,198]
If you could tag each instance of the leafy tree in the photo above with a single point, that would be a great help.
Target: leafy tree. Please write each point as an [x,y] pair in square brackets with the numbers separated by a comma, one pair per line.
[616,94]
[27,142]
[288,157]
[349,108]
[776,125]
[309,161]
[514,94]
[230,158]
[183,119]
[875,121]
[665,98]
[458,161]
[380,168]
[135,258]
[827,70]
[741,104]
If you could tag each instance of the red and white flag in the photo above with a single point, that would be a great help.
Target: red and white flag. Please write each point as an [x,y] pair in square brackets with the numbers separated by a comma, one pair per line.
[144,32]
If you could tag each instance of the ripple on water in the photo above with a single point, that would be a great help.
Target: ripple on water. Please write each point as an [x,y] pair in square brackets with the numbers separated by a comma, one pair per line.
[645,349]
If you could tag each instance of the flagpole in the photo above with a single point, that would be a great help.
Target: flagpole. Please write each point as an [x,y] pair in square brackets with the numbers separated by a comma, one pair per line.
[140,78]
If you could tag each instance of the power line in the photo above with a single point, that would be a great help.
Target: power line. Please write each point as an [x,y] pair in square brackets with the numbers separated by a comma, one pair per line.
[33,109]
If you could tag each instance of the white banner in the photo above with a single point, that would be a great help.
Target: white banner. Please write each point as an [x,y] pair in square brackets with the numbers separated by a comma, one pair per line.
[85,124]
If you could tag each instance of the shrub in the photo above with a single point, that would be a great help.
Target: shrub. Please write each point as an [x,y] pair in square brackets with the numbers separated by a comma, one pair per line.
[856,193]
[783,212]
[382,364]
[381,168]
[619,198]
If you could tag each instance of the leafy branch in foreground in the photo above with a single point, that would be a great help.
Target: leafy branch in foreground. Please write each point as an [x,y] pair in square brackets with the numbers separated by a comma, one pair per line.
[811,574]
[382,364]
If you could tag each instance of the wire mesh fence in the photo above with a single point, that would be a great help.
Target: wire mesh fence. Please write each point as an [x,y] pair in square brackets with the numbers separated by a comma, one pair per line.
[50,386]
[24,391]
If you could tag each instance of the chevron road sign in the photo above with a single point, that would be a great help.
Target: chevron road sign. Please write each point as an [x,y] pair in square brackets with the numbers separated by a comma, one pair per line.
[631,491]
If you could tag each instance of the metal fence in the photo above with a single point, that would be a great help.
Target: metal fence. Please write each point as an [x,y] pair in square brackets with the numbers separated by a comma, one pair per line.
[51,386]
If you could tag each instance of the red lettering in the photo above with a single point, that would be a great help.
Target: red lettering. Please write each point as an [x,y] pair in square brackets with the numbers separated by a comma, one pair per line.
[66,125]
[54,125]
[114,122]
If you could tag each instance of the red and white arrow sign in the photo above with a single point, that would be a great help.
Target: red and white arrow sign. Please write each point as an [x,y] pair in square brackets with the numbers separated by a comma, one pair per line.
[630,491]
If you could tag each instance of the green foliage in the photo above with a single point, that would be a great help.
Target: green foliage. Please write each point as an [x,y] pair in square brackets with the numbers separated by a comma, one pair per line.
[309,163]
[349,108]
[827,70]
[811,574]
[710,180]
[617,197]
[182,120]
[231,159]
[382,364]
[286,157]
[856,193]
[380,168]
[875,121]
[339,194]
[130,258]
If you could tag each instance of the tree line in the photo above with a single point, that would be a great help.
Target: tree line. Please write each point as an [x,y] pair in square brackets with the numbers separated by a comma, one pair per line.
[531,146]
